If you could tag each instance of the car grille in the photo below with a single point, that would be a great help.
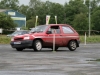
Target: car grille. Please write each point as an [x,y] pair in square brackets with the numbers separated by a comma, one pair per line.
[18,39]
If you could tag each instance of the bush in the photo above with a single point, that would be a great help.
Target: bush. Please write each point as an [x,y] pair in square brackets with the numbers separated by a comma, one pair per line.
[4,39]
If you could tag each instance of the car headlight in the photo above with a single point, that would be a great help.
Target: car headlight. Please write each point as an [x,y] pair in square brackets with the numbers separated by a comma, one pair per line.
[26,37]
[12,39]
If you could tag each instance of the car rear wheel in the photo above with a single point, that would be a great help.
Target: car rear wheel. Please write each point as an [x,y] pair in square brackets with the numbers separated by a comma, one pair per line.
[19,49]
[72,45]
[37,45]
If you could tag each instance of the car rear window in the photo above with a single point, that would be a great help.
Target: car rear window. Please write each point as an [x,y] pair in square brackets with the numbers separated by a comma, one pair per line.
[67,29]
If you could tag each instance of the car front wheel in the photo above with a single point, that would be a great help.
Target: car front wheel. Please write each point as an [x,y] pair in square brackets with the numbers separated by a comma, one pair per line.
[37,45]
[72,45]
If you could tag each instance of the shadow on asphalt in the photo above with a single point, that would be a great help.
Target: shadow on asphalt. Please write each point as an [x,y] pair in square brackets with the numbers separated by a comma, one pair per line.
[30,50]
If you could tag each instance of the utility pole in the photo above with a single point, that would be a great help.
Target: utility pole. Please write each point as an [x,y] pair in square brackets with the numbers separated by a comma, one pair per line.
[89,18]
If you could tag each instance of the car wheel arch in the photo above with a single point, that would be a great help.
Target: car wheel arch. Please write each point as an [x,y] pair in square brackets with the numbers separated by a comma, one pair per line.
[38,39]
[73,40]
[37,44]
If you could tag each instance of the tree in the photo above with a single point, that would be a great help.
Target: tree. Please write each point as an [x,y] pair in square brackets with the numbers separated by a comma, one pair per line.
[80,22]
[6,22]
[96,20]
[24,9]
[93,4]
[49,8]
[54,11]
[31,23]
[73,8]
[42,11]
[34,5]
[9,4]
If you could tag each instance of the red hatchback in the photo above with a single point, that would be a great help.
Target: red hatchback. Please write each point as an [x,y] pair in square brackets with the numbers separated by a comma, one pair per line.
[43,36]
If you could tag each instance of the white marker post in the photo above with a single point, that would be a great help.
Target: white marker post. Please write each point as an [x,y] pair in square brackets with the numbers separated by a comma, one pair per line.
[85,39]
[36,21]
[56,19]
[1,30]
[47,19]
[54,40]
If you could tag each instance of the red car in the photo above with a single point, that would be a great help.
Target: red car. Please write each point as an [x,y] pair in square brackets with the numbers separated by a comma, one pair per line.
[42,36]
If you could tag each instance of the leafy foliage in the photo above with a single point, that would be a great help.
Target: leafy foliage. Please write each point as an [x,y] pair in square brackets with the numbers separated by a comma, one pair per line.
[9,4]
[96,20]
[73,8]
[75,12]
[80,22]
[6,22]
[31,23]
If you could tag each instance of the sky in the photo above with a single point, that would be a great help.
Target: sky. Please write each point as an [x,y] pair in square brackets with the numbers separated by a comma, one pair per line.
[26,2]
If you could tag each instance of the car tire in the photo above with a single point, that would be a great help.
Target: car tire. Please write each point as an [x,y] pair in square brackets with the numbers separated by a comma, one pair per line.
[37,45]
[72,45]
[19,49]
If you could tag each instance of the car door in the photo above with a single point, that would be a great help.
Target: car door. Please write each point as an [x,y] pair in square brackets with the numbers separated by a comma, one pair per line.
[55,35]
[67,34]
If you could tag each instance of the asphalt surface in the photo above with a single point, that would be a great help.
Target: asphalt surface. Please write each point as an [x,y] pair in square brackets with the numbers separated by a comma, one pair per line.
[47,62]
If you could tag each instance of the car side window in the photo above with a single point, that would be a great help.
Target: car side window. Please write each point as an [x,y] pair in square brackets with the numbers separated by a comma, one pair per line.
[55,29]
[67,29]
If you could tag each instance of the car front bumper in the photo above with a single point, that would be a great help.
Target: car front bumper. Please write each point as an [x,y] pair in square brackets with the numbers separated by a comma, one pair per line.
[21,44]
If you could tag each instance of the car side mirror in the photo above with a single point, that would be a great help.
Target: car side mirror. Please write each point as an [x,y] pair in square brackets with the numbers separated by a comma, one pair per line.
[49,32]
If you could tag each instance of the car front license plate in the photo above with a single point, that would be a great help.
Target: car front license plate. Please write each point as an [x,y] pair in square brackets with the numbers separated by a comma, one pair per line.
[17,42]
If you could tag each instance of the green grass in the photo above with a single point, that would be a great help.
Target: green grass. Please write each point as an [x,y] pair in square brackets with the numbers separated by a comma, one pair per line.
[92,39]
[4,39]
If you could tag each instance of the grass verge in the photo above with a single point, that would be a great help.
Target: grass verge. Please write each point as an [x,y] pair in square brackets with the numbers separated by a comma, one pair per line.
[91,39]
[4,39]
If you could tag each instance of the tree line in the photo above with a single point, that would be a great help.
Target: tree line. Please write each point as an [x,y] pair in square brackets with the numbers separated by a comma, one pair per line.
[74,12]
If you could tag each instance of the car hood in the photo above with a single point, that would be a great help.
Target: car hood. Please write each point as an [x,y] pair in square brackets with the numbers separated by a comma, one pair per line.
[31,34]
[21,35]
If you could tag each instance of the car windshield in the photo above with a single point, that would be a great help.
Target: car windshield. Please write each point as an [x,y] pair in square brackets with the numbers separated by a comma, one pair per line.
[41,28]
[19,32]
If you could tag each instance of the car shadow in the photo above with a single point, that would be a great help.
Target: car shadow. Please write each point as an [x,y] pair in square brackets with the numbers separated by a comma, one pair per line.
[45,50]
[27,50]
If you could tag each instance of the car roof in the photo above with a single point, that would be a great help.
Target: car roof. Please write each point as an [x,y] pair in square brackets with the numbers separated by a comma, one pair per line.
[54,25]
[58,24]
